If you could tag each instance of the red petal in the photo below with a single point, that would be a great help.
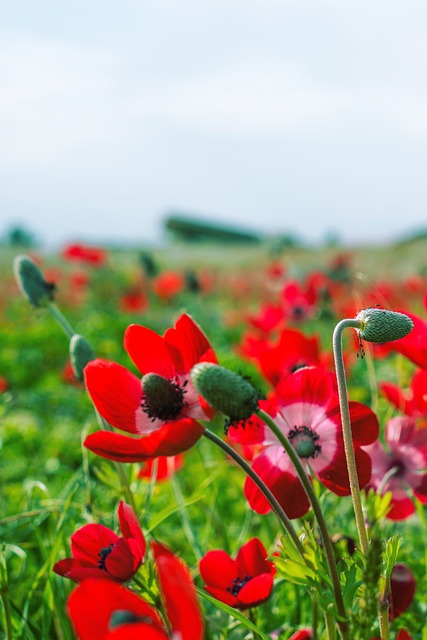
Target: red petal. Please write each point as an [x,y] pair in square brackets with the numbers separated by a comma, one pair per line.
[364,424]
[312,385]
[148,351]
[394,394]
[120,562]
[188,338]
[129,525]
[223,596]
[87,542]
[256,591]
[92,603]
[252,559]
[115,392]
[284,485]
[171,439]
[179,594]
[217,569]
[335,475]
[401,509]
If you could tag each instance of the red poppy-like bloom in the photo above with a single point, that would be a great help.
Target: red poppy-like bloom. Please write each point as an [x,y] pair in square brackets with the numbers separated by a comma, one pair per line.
[306,409]
[402,466]
[134,300]
[299,302]
[98,552]
[241,583]
[412,401]
[120,614]
[292,351]
[163,410]
[168,284]
[85,254]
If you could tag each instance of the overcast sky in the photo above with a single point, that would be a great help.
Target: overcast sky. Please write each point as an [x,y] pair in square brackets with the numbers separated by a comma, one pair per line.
[306,117]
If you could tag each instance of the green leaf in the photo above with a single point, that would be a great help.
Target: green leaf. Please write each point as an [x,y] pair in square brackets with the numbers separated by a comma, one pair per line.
[234,613]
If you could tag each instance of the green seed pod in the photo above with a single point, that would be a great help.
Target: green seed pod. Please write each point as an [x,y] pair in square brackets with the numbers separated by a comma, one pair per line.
[31,282]
[381,325]
[225,390]
[80,354]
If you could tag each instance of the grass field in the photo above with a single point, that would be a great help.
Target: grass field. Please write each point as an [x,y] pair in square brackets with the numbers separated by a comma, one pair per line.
[50,485]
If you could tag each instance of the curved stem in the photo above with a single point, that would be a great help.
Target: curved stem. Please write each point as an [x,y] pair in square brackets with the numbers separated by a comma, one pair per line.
[272,500]
[61,320]
[327,543]
[346,430]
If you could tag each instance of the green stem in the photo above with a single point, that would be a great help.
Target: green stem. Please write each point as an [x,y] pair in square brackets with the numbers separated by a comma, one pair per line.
[119,466]
[327,543]
[383,618]
[346,430]
[186,524]
[4,594]
[330,627]
[272,500]
[61,320]
[315,616]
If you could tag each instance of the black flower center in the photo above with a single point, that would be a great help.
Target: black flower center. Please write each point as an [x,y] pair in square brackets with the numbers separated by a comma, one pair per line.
[303,440]
[297,365]
[163,398]
[237,585]
[123,616]
[105,551]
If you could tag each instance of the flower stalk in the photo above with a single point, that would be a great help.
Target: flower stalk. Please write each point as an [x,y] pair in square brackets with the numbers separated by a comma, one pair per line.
[346,430]
[275,505]
[327,543]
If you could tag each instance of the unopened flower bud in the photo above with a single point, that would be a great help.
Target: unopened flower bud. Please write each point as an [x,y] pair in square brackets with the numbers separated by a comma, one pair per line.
[80,354]
[31,281]
[381,325]
[225,390]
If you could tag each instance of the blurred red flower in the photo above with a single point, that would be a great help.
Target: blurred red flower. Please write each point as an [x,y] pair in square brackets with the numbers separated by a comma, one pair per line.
[293,350]
[104,610]
[84,254]
[168,284]
[164,410]
[241,583]
[98,552]
[402,466]
[133,300]
[306,409]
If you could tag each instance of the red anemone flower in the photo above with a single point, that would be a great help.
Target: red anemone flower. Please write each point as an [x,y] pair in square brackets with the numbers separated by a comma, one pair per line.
[121,614]
[85,254]
[241,583]
[292,351]
[306,409]
[98,552]
[402,467]
[163,410]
